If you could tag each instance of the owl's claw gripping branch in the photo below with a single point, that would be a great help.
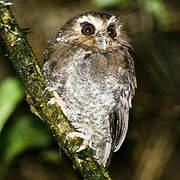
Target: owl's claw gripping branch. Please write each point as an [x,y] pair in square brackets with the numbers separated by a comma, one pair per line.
[86,142]
[57,99]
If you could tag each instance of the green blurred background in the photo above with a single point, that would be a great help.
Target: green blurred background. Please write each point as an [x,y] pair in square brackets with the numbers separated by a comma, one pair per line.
[151,150]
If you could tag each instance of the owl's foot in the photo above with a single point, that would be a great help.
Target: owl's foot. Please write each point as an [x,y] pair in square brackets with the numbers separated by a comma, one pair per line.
[86,142]
[57,99]
[50,89]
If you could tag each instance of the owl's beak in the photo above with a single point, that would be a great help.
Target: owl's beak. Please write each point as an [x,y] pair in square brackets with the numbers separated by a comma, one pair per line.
[102,41]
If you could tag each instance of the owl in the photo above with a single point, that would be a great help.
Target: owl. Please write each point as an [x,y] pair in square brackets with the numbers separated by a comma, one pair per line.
[91,72]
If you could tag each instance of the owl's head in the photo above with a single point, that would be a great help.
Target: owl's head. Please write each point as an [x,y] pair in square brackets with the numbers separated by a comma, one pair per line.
[94,31]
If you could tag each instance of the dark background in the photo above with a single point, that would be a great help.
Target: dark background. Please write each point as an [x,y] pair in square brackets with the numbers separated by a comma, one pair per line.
[151,149]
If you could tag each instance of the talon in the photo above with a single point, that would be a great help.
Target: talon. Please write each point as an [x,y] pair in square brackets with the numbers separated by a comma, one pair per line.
[50,89]
[86,142]
[57,99]
[52,101]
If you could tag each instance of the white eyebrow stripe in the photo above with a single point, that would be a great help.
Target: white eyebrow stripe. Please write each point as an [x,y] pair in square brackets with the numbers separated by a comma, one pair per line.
[112,20]
[97,22]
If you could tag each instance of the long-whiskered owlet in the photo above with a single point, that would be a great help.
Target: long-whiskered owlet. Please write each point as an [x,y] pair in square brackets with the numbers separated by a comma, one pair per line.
[90,70]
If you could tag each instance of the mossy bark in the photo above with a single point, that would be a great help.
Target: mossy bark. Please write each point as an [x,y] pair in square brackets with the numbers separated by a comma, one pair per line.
[26,66]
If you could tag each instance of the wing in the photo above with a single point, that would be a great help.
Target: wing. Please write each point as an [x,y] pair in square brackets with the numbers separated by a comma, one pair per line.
[119,125]
[119,118]
[119,115]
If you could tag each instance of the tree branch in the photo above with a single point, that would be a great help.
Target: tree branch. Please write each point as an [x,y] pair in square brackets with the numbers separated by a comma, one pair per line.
[26,66]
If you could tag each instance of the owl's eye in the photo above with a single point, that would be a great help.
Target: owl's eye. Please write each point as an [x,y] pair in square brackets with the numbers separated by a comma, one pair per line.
[111,30]
[88,29]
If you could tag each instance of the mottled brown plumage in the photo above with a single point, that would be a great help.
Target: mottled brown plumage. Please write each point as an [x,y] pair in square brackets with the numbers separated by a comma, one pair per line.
[88,64]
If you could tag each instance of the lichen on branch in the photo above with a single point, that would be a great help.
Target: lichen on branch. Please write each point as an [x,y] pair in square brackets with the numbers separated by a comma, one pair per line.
[27,68]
